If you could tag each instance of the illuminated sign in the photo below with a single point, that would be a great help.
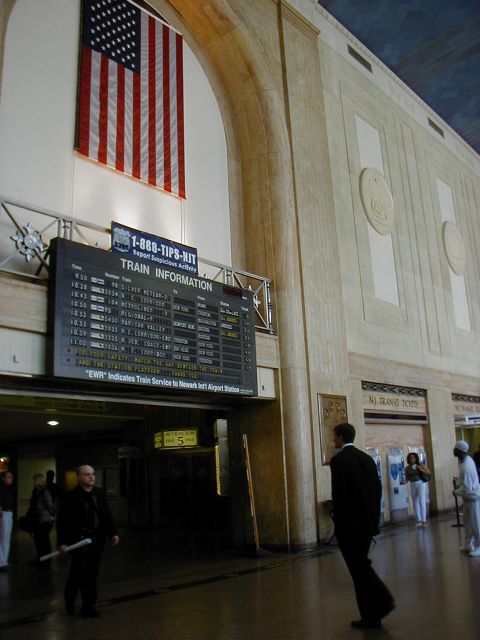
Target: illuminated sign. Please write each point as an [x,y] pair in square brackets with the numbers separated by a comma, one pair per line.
[117,320]
[175,438]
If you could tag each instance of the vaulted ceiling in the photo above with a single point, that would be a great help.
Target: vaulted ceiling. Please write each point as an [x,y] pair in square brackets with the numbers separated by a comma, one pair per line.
[433,46]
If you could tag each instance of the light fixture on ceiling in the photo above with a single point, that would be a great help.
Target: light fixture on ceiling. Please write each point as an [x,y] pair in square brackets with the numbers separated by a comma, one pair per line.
[53,423]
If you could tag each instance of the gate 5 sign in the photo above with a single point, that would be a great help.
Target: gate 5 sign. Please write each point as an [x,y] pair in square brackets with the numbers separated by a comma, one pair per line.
[177,438]
[118,320]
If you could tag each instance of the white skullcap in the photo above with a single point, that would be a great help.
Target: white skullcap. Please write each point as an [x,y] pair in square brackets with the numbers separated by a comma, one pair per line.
[461,445]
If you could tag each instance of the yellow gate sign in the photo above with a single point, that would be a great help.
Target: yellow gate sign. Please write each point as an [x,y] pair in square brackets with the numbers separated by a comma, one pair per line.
[176,438]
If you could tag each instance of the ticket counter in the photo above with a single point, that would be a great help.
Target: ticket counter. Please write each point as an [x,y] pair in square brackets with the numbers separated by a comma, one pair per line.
[395,424]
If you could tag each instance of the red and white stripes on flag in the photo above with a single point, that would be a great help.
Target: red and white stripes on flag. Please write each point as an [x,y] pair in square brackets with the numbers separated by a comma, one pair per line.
[130,110]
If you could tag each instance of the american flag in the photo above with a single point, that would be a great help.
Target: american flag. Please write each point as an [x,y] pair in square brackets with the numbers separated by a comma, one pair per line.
[130,104]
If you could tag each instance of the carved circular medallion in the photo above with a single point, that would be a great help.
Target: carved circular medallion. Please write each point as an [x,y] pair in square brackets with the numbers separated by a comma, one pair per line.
[454,248]
[377,201]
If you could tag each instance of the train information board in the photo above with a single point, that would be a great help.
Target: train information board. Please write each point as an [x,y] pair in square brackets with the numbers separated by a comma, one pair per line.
[120,320]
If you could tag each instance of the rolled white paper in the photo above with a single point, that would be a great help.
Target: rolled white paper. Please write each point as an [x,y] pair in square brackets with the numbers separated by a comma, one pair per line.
[72,547]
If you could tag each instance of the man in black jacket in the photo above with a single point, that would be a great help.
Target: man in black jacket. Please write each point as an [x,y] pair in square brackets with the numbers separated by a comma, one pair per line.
[356,495]
[84,514]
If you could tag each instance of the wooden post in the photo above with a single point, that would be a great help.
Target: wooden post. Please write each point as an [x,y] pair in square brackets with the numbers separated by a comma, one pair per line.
[250,491]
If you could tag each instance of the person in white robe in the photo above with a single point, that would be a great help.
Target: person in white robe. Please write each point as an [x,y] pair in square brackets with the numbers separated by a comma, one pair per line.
[469,490]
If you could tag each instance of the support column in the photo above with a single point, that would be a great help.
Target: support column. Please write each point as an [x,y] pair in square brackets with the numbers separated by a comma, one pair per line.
[442,441]
[294,379]
[320,292]
[6,7]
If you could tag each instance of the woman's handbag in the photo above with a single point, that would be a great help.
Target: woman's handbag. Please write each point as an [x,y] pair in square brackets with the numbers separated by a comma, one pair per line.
[27,522]
[424,477]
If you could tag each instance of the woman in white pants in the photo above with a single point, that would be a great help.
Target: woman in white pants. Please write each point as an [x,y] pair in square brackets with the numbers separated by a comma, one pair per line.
[6,518]
[418,487]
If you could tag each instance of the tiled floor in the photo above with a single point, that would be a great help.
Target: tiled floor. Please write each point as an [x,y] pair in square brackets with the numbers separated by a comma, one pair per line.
[148,594]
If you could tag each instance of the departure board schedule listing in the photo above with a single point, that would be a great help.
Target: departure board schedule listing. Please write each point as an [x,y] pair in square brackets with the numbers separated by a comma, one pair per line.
[115,319]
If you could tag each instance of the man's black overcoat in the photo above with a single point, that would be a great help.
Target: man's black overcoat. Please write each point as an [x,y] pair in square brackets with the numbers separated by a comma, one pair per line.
[356,493]
[83,514]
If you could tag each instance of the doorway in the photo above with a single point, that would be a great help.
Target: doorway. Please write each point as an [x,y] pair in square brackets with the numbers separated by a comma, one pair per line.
[394,442]
[186,508]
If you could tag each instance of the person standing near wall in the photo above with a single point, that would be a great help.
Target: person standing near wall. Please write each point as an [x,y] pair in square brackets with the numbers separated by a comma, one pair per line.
[7,501]
[52,486]
[356,495]
[418,487]
[84,513]
[43,510]
[469,491]
[476,459]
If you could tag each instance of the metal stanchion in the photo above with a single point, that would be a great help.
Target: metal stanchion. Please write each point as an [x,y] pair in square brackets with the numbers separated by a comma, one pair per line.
[455,486]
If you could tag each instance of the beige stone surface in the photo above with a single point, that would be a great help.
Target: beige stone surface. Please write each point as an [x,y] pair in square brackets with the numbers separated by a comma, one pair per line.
[5,10]
[289,103]
[267,350]
[421,330]
[371,369]
[23,305]
[442,439]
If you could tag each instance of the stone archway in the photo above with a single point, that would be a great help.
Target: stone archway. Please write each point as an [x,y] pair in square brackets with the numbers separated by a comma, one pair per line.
[242,43]
[250,97]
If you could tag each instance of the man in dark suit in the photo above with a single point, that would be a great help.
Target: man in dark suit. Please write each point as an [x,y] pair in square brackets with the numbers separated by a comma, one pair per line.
[84,514]
[356,495]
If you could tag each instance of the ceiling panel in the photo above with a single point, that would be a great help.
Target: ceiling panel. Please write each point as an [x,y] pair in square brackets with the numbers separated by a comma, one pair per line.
[434,47]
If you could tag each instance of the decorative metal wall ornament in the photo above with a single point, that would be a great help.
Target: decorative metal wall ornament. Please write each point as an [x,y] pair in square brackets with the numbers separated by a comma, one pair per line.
[28,242]
[80,230]
[461,397]
[332,410]
[387,388]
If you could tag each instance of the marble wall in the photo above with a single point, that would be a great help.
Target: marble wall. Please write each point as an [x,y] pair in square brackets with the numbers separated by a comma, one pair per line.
[350,303]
